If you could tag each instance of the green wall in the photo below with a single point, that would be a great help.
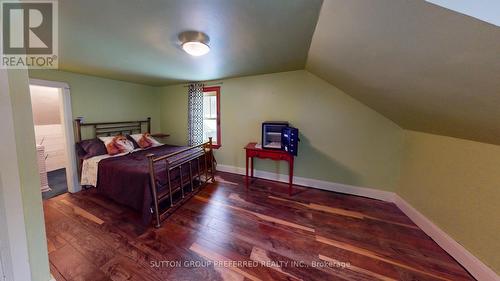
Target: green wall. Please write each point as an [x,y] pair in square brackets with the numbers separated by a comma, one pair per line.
[455,183]
[318,109]
[99,99]
[28,174]
[342,140]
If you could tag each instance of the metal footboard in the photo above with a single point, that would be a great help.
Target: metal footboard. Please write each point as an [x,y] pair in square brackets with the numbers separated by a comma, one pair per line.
[183,161]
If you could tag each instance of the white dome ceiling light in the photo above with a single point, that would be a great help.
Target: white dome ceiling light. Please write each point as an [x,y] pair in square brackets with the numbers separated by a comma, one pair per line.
[195,43]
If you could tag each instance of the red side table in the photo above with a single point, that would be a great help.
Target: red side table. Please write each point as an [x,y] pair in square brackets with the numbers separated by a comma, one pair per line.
[277,155]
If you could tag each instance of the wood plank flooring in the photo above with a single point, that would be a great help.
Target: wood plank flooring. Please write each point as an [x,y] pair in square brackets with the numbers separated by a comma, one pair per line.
[226,233]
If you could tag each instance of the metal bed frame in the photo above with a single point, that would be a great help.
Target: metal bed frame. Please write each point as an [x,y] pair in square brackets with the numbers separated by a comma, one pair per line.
[187,156]
[177,160]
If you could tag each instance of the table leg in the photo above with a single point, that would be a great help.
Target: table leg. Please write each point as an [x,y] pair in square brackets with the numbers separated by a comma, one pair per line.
[246,178]
[252,168]
[290,176]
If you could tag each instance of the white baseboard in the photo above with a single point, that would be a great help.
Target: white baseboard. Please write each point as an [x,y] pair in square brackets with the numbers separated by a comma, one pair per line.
[477,268]
[320,184]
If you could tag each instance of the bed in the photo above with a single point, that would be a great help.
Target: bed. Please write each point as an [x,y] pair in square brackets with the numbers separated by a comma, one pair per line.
[153,181]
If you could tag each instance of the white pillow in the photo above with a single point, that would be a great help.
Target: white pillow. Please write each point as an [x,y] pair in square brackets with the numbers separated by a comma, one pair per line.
[144,143]
[117,144]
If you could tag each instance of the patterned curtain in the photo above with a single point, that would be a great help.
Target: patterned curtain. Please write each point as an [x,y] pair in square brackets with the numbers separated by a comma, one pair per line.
[195,114]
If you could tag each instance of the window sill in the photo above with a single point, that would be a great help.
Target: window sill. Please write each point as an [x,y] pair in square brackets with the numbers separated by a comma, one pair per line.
[216,146]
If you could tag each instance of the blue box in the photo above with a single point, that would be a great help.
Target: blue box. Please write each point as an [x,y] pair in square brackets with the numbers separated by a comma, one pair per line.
[290,140]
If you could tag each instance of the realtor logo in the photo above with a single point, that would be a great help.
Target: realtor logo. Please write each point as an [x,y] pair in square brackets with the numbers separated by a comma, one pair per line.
[29,34]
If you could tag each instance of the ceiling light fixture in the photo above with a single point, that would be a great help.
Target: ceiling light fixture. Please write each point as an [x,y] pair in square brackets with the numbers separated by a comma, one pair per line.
[195,43]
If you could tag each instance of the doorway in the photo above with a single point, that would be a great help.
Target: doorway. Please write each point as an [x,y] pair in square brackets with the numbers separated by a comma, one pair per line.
[52,118]
[50,141]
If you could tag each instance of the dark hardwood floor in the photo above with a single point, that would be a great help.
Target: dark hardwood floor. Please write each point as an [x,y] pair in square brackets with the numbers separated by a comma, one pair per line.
[225,233]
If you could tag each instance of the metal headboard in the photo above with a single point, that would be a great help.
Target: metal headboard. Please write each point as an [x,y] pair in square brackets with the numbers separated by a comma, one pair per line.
[100,129]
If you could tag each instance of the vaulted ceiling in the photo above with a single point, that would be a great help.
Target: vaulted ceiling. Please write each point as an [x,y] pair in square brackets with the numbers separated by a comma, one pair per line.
[137,40]
[424,67]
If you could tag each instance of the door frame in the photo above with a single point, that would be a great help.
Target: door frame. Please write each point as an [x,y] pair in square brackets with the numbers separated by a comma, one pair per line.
[14,246]
[69,136]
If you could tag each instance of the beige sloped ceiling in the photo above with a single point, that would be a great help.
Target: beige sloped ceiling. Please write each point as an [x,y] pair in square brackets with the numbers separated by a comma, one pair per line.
[137,40]
[424,67]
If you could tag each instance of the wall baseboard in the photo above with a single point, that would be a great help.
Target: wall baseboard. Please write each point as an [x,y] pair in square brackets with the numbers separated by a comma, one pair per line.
[477,268]
[320,184]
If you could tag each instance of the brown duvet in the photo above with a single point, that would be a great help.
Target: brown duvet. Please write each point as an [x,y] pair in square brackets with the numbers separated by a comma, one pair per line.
[125,179]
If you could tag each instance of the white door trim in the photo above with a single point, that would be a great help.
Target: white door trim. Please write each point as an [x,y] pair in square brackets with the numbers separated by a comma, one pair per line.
[67,120]
[14,249]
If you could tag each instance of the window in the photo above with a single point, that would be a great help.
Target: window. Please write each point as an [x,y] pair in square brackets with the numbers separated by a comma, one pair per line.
[211,115]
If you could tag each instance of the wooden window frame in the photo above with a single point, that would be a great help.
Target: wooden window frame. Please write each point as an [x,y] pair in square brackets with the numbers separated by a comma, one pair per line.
[216,89]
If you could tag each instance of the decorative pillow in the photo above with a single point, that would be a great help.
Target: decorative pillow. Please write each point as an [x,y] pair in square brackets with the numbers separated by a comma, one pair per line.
[145,140]
[90,148]
[133,142]
[117,144]
[80,153]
